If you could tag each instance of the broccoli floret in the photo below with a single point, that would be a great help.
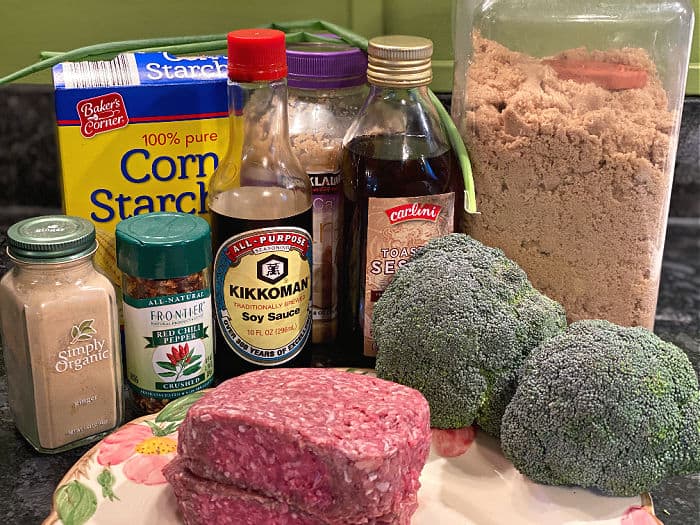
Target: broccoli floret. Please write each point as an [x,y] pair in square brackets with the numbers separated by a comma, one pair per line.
[456,323]
[604,407]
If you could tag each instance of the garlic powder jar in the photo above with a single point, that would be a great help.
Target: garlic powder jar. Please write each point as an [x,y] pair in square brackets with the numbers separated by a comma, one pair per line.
[60,333]
[327,87]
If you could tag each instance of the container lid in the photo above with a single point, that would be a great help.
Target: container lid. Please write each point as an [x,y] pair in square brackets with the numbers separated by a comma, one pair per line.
[163,245]
[51,238]
[399,61]
[319,65]
[256,55]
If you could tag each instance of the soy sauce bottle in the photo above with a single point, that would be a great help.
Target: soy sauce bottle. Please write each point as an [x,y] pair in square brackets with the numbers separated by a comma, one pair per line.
[260,206]
[401,183]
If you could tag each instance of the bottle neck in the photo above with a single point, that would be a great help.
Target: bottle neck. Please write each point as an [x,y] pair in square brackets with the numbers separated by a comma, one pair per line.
[259,177]
[399,92]
[401,115]
[263,109]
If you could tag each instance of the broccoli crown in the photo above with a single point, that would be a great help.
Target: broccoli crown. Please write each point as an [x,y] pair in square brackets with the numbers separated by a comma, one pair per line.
[456,323]
[605,407]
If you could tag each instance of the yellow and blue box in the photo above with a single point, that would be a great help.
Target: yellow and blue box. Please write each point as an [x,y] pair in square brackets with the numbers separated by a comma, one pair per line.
[140,133]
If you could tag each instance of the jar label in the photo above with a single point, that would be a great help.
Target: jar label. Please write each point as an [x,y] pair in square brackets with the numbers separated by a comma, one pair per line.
[80,385]
[327,218]
[396,228]
[169,344]
[262,293]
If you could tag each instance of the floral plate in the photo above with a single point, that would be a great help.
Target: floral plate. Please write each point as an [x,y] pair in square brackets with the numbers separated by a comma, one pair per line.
[119,481]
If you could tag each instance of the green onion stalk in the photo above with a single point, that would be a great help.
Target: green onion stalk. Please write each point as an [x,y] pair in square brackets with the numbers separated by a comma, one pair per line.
[296,31]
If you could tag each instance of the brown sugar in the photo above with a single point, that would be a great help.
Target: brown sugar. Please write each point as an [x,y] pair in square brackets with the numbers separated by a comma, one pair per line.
[573,178]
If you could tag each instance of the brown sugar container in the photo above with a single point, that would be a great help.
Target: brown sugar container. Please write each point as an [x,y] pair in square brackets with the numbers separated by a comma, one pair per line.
[570,110]
[165,260]
[60,335]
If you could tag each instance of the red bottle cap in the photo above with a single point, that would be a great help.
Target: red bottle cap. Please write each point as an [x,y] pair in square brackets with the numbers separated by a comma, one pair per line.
[256,54]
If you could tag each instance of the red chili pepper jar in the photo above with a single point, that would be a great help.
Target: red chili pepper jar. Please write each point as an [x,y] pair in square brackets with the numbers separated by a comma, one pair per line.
[165,258]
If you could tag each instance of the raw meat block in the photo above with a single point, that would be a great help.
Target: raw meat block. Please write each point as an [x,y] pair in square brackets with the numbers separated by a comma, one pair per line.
[205,502]
[335,444]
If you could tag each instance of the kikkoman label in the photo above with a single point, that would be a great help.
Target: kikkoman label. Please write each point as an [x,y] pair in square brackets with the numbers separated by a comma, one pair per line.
[262,293]
[396,228]
[169,344]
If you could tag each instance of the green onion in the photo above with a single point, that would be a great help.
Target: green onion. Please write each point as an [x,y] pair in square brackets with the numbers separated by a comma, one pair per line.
[92,51]
[462,155]
[297,31]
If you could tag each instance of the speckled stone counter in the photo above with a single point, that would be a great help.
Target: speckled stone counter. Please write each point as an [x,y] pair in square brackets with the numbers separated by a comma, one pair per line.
[28,479]
[29,178]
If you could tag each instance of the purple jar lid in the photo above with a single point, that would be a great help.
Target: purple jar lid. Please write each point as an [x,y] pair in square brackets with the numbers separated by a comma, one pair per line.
[319,65]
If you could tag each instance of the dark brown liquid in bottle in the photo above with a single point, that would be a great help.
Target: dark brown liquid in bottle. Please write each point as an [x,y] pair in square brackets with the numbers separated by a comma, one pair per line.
[372,166]
[227,363]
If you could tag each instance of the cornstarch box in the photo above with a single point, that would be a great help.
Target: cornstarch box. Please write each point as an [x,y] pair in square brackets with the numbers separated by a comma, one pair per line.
[140,133]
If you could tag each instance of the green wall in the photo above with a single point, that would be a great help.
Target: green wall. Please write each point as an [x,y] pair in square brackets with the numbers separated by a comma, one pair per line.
[30,26]
[693,84]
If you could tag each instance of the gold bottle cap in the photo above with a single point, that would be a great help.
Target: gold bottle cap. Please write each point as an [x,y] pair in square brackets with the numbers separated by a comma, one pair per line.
[399,61]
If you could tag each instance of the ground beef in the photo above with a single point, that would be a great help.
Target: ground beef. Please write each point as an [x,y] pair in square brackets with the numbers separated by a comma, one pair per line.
[344,447]
[205,502]
[573,176]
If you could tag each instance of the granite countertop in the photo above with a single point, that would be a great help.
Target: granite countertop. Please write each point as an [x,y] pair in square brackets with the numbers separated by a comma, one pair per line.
[28,159]
[28,479]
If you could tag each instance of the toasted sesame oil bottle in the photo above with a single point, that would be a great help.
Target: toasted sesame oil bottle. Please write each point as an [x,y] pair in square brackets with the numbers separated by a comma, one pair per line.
[401,183]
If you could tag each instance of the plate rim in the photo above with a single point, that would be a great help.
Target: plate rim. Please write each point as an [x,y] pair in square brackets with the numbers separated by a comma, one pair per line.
[69,476]
[52,519]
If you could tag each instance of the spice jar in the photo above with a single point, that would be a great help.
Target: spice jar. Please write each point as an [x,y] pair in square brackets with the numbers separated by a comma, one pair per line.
[570,110]
[327,87]
[165,260]
[60,335]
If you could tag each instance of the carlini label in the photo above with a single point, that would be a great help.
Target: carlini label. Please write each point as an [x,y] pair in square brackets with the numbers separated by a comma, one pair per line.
[396,228]
[413,212]
[262,293]
[102,114]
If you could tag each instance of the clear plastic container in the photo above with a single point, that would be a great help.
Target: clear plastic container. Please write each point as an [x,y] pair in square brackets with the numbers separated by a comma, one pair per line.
[570,110]
[327,87]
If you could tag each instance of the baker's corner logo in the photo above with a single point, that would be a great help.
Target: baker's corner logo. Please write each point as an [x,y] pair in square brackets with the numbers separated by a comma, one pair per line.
[101,114]
[413,212]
